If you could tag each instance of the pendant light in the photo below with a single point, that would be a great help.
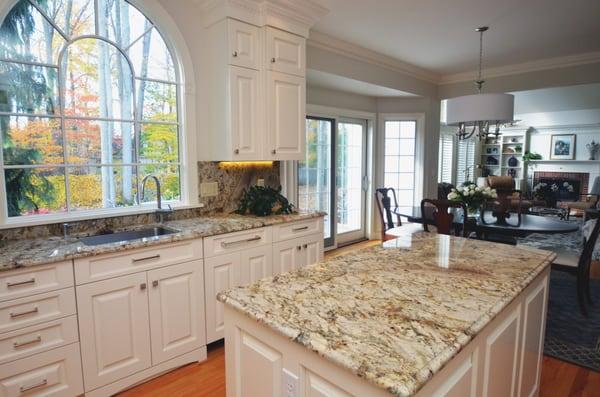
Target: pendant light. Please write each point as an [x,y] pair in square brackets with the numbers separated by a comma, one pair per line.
[476,114]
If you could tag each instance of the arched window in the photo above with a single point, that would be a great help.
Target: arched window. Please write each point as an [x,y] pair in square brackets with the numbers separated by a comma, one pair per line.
[88,107]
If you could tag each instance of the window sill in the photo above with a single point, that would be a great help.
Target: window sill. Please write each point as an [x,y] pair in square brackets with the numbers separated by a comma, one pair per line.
[38,220]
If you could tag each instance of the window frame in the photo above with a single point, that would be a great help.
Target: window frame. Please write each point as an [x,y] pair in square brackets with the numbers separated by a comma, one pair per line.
[184,86]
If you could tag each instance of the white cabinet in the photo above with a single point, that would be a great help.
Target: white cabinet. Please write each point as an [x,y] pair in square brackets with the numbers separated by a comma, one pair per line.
[258,93]
[176,310]
[244,116]
[286,114]
[299,252]
[131,323]
[114,329]
[285,52]
[227,271]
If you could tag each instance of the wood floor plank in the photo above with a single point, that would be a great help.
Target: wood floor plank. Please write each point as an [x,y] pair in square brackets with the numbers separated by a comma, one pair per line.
[207,379]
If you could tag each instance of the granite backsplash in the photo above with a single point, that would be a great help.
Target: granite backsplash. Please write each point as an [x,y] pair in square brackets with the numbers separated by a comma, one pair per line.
[232,179]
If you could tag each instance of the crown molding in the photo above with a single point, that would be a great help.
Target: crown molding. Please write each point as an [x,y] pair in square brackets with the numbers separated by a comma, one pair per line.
[525,67]
[295,16]
[329,43]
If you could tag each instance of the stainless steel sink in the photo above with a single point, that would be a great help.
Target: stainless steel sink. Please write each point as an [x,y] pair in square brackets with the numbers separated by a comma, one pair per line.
[151,232]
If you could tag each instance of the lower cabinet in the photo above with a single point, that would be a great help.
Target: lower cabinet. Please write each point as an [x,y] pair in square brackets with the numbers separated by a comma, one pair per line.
[129,323]
[223,272]
[294,254]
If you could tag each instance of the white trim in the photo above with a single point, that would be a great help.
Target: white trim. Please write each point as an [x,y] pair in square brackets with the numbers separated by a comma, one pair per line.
[525,67]
[333,112]
[35,220]
[328,43]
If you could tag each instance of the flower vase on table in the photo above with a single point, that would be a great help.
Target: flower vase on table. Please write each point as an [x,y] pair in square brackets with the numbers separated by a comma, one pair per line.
[472,196]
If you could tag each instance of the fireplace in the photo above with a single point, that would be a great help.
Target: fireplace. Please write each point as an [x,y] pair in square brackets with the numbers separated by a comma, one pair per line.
[579,181]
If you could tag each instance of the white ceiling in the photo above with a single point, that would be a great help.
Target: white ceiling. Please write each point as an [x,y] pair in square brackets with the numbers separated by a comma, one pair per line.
[439,36]
[556,99]
[315,78]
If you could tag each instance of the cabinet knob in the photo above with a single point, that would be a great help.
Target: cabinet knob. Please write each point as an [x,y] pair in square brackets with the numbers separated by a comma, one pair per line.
[236,151]
[143,286]
[235,54]
[155,283]
[272,60]
[299,248]
[273,151]
[305,245]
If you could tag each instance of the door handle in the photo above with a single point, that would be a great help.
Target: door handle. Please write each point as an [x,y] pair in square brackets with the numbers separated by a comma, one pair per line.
[365,183]
[30,281]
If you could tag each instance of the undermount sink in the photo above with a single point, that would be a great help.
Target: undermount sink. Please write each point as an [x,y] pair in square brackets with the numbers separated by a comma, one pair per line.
[127,236]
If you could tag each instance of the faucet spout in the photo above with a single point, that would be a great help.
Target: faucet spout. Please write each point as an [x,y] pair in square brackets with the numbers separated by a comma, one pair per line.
[160,211]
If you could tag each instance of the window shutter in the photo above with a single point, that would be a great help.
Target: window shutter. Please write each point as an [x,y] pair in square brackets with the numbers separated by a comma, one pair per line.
[466,159]
[446,152]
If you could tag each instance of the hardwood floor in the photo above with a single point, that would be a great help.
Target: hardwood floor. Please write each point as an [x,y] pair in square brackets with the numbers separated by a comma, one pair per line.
[207,379]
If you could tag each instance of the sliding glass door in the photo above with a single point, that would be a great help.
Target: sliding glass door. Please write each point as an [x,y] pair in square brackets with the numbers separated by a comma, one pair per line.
[338,190]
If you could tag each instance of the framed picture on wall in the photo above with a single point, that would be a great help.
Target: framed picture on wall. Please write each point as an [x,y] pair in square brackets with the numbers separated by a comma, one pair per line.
[562,147]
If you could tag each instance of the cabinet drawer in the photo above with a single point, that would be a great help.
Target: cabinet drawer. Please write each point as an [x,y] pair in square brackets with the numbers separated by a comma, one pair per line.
[20,313]
[34,280]
[243,43]
[38,338]
[234,242]
[107,266]
[288,231]
[285,52]
[55,373]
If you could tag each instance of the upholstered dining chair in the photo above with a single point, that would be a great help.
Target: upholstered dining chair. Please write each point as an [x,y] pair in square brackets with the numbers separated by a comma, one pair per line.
[391,223]
[435,212]
[581,266]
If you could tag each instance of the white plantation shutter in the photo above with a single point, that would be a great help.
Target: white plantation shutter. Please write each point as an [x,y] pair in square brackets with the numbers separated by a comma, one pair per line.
[445,162]
[466,158]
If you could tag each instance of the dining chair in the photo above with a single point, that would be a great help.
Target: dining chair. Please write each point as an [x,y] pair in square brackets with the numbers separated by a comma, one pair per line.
[508,205]
[390,229]
[581,267]
[435,212]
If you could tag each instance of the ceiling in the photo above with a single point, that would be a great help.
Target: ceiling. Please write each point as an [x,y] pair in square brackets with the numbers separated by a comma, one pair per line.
[556,99]
[439,36]
[315,78]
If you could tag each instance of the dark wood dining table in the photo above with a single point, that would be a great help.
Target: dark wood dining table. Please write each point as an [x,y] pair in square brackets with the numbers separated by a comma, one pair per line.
[529,223]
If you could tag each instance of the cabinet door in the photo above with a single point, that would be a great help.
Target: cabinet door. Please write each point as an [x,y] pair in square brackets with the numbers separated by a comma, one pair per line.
[243,97]
[287,255]
[285,52]
[176,310]
[243,43]
[313,248]
[256,263]
[114,329]
[222,272]
[286,116]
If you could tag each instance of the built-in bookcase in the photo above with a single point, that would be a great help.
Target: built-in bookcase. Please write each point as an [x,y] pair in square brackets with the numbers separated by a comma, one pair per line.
[504,156]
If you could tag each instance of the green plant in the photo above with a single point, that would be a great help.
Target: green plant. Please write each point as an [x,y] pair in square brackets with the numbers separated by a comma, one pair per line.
[518,148]
[263,201]
[528,156]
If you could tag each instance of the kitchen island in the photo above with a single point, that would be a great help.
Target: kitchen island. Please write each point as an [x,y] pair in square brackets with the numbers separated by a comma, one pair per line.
[422,315]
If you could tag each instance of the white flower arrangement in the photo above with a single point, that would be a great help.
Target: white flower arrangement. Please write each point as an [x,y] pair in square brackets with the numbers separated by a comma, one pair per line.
[472,195]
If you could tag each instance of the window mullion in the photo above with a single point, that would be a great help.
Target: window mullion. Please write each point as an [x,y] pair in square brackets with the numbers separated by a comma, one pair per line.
[49,20]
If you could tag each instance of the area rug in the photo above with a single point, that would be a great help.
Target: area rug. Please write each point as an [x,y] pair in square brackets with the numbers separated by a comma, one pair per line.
[570,336]
[565,243]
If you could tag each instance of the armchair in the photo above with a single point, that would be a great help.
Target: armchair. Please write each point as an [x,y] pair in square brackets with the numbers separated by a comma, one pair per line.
[589,200]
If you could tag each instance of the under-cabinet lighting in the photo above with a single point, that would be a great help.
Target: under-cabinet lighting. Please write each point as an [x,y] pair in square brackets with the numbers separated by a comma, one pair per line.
[246,164]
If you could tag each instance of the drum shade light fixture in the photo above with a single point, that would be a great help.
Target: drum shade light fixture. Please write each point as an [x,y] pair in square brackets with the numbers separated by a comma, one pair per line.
[476,114]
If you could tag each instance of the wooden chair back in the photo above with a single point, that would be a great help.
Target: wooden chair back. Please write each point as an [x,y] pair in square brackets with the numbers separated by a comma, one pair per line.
[583,268]
[508,205]
[384,205]
[435,212]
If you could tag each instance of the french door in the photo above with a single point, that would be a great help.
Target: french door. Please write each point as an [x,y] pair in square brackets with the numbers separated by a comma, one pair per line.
[332,176]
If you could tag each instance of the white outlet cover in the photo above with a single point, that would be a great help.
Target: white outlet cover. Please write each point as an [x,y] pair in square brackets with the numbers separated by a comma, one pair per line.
[209,189]
[260,182]
[289,384]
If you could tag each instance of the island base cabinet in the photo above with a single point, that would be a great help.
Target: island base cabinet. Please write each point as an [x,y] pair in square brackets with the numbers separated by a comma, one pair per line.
[294,254]
[504,358]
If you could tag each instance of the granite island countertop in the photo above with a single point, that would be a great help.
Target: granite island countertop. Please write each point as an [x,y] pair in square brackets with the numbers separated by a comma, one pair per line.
[16,254]
[393,314]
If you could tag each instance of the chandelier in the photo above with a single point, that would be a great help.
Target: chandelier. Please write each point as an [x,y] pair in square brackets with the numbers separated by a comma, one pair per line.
[480,114]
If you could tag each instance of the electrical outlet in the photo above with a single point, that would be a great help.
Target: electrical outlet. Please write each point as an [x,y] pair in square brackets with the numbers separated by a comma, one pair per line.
[290,384]
[209,189]
[260,182]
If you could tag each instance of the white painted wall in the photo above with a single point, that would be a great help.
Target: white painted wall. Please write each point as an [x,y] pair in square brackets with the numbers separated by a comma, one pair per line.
[341,100]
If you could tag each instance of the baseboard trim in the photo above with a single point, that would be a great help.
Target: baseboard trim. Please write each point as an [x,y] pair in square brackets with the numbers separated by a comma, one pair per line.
[197,355]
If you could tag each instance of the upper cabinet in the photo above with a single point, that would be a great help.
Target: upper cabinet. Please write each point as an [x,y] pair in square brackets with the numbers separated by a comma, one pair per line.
[257,93]
[285,52]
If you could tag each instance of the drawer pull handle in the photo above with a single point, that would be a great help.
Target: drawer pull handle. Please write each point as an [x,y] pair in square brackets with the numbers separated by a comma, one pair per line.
[24,389]
[134,260]
[30,281]
[299,229]
[32,311]
[226,244]
[16,345]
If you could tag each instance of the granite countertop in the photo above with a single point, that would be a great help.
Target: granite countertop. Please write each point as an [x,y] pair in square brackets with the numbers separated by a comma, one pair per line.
[31,252]
[393,314]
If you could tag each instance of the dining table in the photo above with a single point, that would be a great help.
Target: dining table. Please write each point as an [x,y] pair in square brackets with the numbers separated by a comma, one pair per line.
[488,225]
